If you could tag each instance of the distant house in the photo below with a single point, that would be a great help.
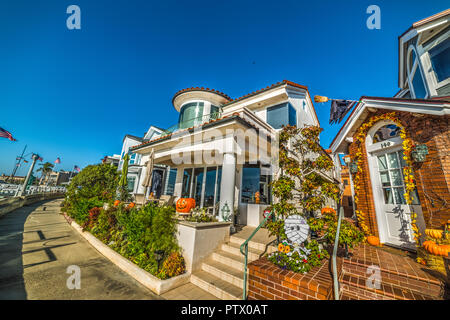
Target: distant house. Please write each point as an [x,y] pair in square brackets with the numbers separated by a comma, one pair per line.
[136,165]
[381,132]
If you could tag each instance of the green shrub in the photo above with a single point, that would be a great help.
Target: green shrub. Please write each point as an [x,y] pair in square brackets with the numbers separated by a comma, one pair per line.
[173,266]
[93,186]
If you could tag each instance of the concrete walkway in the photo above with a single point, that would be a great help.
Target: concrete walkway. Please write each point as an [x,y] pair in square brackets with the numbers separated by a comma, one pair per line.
[36,247]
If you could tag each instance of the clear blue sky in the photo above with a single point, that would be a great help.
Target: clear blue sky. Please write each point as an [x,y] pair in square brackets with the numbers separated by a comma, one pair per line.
[75,94]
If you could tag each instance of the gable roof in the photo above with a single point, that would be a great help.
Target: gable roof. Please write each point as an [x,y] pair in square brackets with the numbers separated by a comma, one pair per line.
[132,137]
[439,106]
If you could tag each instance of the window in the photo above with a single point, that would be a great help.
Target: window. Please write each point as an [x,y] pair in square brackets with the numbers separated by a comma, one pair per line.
[189,114]
[186,187]
[255,179]
[390,167]
[386,132]
[440,60]
[214,112]
[198,183]
[171,179]
[250,183]
[132,157]
[281,115]
[416,82]
[131,181]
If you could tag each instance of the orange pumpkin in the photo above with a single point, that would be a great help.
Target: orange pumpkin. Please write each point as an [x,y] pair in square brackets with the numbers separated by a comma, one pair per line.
[116,203]
[328,210]
[427,243]
[434,233]
[281,247]
[131,205]
[184,205]
[437,250]
[374,241]
[445,248]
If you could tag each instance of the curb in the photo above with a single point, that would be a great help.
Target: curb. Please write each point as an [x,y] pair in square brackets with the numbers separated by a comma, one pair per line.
[148,280]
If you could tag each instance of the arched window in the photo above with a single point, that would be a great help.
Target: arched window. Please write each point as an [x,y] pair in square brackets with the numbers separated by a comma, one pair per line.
[415,78]
[386,132]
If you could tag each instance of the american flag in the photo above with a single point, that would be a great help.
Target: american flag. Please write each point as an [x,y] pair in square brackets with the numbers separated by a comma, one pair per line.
[58,160]
[76,168]
[6,134]
[40,158]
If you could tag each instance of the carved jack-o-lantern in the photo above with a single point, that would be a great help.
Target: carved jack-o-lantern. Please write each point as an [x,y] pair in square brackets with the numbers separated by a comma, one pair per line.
[184,205]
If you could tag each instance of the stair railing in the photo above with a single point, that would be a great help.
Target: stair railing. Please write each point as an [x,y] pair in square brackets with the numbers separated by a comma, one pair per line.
[244,251]
[336,244]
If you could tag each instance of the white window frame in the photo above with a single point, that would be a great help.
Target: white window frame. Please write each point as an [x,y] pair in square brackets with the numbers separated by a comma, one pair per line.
[431,74]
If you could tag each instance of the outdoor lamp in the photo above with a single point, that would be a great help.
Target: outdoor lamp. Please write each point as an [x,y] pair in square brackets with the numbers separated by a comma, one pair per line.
[159,255]
[419,153]
[347,160]
[353,167]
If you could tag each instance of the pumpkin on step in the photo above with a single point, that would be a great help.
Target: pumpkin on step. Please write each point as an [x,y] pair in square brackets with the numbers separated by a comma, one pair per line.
[434,233]
[374,241]
[184,205]
[437,250]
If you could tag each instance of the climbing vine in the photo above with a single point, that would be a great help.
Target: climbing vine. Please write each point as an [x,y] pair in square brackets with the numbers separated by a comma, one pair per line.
[408,175]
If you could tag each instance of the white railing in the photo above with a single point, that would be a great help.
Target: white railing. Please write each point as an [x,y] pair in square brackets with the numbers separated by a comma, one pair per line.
[11,190]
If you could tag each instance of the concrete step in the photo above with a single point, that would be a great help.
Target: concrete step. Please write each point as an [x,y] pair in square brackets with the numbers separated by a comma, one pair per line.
[234,248]
[356,285]
[225,272]
[260,246]
[216,286]
[229,259]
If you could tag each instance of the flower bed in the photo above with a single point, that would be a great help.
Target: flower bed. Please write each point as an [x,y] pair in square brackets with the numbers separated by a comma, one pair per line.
[146,236]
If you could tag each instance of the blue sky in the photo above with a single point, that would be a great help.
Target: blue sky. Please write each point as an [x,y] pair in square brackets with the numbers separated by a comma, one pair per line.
[74,94]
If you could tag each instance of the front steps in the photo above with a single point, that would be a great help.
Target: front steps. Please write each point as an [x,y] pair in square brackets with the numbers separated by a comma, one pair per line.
[222,274]
[401,277]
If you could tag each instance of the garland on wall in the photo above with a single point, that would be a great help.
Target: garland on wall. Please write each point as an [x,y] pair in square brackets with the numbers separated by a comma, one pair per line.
[410,186]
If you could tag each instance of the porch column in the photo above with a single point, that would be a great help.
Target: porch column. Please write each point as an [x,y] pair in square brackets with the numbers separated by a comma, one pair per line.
[227,185]
[178,183]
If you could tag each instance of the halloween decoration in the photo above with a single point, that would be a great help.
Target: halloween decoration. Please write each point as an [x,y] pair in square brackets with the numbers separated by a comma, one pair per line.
[184,205]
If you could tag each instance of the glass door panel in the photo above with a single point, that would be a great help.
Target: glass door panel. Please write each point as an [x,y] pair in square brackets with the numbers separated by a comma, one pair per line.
[198,182]
[210,185]
[186,188]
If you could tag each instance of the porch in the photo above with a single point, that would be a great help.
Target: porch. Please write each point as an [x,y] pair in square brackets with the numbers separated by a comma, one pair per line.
[224,164]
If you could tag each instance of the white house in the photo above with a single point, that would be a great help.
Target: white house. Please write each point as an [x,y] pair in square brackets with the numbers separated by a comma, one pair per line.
[220,150]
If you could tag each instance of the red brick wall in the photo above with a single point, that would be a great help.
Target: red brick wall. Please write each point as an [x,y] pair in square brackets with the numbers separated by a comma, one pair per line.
[432,176]
[269,282]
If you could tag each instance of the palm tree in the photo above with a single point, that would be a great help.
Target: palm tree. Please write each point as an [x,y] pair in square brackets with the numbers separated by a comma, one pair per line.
[45,169]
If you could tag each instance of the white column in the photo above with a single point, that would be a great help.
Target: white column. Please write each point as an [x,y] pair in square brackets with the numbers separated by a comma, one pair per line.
[227,184]
[178,183]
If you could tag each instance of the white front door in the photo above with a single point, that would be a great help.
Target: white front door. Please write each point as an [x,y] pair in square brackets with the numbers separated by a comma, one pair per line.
[393,214]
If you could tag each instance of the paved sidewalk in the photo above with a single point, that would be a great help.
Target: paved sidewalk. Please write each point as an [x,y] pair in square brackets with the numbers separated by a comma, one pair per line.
[36,247]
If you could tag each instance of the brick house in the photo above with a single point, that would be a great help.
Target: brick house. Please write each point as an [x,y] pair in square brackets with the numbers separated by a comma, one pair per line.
[383,133]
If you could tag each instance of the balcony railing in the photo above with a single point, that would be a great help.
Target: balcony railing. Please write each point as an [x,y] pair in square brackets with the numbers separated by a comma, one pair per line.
[191,123]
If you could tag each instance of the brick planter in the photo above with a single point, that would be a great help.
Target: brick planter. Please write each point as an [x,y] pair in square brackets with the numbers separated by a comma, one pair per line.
[269,282]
